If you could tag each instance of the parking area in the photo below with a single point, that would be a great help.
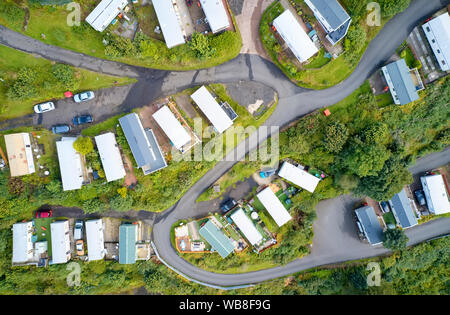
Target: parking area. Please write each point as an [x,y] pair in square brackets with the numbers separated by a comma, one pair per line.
[106,103]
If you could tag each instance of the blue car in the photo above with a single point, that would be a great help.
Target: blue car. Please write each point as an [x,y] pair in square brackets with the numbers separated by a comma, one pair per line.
[57,129]
[83,119]
[420,197]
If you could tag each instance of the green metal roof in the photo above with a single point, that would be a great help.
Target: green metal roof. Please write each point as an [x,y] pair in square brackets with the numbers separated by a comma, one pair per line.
[127,244]
[217,239]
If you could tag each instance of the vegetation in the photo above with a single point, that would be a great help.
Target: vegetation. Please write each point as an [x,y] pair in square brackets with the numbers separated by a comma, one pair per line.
[394,239]
[27,80]
[381,144]
[143,51]
[83,145]
[421,269]
[320,73]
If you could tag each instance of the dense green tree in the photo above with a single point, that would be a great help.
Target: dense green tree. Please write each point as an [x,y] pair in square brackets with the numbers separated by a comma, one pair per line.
[392,7]
[335,137]
[200,44]
[389,181]
[83,145]
[394,239]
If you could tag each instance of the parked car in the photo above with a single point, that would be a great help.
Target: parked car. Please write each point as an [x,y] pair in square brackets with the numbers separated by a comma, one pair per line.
[44,213]
[267,173]
[83,119]
[79,245]
[228,205]
[385,207]
[83,97]
[78,230]
[420,197]
[44,107]
[60,129]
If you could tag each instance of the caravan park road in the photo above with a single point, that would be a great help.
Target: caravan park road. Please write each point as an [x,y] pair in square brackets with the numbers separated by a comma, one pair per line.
[335,236]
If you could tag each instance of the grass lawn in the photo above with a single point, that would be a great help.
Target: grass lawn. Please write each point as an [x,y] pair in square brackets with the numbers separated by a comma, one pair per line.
[11,61]
[384,99]
[43,232]
[389,218]
[318,61]
[86,40]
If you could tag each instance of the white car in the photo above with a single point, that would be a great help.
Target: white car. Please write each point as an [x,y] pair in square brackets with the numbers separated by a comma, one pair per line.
[44,107]
[84,96]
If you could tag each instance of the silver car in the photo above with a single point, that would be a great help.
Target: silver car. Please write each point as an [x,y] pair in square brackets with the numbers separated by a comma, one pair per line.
[84,96]
[44,107]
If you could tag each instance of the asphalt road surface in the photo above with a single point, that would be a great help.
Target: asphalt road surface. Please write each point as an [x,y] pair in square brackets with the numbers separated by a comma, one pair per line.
[335,236]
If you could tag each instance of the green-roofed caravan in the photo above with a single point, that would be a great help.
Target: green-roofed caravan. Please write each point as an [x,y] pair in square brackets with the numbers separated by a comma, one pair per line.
[216,239]
[127,243]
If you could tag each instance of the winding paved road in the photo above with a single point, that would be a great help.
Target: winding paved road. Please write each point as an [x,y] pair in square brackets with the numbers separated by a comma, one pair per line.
[335,239]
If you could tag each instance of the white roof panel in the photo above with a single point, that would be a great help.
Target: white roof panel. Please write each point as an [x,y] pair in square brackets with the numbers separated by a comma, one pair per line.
[104,13]
[95,241]
[169,22]
[298,177]
[274,206]
[216,14]
[69,164]
[60,242]
[439,32]
[22,245]
[246,226]
[294,36]
[110,156]
[172,127]
[435,193]
[212,109]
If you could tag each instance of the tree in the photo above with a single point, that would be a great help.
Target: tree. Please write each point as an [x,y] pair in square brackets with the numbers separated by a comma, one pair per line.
[24,86]
[336,136]
[392,7]
[363,159]
[389,181]
[121,204]
[83,145]
[201,46]
[64,74]
[93,205]
[394,239]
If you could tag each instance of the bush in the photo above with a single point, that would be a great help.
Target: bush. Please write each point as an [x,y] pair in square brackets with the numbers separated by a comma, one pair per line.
[121,204]
[394,239]
[64,74]
[83,145]
[201,46]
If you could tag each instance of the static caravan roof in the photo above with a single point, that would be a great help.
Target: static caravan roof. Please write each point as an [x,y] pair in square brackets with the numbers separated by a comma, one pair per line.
[212,109]
[143,144]
[20,155]
[246,226]
[401,207]
[295,37]
[298,177]
[216,239]
[400,83]
[274,206]
[104,13]
[371,226]
[333,13]
[216,14]
[22,245]
[168,20]
[95,241]
[60,242]
[435,193]
[127,243]
[437,32]
[172,127]
[69,164]
[110,156]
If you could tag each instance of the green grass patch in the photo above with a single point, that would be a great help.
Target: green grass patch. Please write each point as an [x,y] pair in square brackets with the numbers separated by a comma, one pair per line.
[12,61]
[389,218]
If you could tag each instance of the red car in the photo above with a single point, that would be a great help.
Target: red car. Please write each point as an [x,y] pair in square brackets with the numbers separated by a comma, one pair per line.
[43,214]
